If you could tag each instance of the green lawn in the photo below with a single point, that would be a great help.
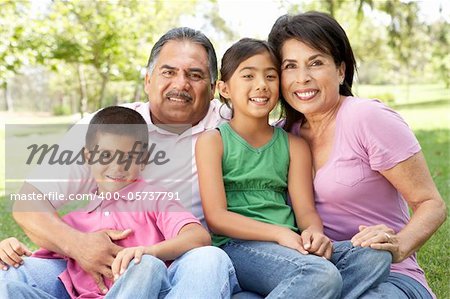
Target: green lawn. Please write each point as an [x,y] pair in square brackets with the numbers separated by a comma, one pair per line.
[431,124]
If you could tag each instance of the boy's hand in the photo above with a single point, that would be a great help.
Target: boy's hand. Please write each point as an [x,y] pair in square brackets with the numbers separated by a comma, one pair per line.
[11,251]
[123,258]
[291,239]
[317,243]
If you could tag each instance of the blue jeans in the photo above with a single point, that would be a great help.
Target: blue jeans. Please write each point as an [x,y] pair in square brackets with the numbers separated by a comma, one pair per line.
[351,262]
[361,268]
[275,271]
[204,272]
[398,286]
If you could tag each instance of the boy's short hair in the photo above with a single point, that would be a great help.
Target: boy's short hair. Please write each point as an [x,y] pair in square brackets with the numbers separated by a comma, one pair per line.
[117,120]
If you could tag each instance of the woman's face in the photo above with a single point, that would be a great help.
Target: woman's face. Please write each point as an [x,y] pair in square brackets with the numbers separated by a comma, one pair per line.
[309,78]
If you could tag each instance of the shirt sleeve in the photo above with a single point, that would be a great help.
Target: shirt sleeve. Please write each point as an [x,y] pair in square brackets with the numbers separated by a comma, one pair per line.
[171,216]
[384,134]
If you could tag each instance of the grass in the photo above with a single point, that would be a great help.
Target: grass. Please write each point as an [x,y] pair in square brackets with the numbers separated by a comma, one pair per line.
[430,121]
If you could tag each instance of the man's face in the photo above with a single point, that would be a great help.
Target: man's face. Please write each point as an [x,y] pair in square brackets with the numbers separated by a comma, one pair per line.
[179,88]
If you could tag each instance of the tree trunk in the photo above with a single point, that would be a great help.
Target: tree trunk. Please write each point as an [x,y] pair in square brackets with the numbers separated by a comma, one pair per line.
[8,99]
[105,79]
[82,104]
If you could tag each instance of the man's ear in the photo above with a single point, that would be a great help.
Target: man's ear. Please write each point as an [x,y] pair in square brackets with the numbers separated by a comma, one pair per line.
[147,83]
[223,89]
[213,91]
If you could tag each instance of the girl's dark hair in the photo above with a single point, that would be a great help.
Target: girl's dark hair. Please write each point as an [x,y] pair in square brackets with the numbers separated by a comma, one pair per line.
[319,31]
[240,51]
[118,121]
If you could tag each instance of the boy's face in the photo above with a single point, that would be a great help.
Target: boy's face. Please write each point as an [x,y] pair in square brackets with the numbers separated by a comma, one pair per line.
[113,176]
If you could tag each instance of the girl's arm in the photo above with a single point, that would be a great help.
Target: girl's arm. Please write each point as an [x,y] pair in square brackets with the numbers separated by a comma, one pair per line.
[413,180]
[209,152]
[190,236]
[300,188]
[11,253]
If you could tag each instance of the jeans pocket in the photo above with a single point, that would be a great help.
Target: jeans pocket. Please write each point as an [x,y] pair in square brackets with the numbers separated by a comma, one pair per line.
[349,172]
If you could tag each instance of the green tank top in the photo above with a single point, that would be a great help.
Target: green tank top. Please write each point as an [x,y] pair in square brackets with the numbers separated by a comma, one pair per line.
[255,179]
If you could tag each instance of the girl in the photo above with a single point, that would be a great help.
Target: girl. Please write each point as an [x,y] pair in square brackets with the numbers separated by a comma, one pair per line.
[245,168]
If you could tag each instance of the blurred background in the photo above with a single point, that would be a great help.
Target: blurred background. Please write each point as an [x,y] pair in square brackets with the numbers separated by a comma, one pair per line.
[62,59]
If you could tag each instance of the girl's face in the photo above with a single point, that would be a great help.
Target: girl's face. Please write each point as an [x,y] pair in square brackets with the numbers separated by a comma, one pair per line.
[309,78]
[110,175]
[253,87]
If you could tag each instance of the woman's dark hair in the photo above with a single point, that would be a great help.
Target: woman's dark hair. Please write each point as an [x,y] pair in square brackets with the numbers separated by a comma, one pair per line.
[117,120]
[240,51]
[319,31]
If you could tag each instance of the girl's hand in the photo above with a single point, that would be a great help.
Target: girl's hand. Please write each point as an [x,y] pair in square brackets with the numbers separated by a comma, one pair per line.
[11,251]
[291,239]
[123,258]
[380,237]
[317,243]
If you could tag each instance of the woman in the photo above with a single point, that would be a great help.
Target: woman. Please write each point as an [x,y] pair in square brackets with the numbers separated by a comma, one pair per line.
[367,164]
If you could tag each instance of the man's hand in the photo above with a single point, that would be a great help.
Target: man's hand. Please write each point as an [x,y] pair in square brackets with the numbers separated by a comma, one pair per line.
[11,252]
[96,253]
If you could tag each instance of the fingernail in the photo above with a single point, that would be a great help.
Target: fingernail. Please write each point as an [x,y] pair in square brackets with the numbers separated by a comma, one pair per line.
[104,291]
[121,271]
[21,262]
[5,268]
[16,265]
[307,245]
[116,276]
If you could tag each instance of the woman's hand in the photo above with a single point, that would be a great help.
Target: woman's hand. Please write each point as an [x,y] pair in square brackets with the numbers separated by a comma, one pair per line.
[380,237]
[317,243]
[11,251]
[123,258]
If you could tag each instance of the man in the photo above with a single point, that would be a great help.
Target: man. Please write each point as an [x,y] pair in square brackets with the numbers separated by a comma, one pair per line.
[180,83]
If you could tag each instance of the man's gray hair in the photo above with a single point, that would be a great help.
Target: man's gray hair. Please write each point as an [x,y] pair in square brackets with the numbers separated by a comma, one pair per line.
[185,34]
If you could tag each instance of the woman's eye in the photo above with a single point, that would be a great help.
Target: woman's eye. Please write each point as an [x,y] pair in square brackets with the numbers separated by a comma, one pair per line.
[289,66]
[316,63]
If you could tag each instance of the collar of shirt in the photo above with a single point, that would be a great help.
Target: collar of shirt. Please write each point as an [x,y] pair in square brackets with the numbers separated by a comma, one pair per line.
[122,194]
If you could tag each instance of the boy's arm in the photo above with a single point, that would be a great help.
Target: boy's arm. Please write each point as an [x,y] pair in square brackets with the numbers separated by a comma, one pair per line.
[190,236]
[300,188]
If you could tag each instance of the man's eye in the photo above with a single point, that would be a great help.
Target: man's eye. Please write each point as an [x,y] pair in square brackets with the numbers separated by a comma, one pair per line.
[168,73]
[195,76]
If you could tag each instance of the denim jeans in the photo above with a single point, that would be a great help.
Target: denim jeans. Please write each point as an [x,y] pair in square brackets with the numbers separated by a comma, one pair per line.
[398,286]
[275,271]
[361,268]
[352,263]
[204,272]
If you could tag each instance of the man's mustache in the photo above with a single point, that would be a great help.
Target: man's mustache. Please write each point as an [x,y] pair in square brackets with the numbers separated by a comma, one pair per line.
[179,94]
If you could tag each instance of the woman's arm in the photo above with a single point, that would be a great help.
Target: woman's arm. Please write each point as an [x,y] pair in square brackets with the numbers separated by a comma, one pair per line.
[413,180]
[209,151]
[300,188]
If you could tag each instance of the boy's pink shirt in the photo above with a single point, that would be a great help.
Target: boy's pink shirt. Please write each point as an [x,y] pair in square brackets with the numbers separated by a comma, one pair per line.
[151,222]
[349,189]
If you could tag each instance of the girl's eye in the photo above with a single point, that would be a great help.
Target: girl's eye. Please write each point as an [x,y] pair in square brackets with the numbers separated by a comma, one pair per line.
[248,76]
[272,77]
